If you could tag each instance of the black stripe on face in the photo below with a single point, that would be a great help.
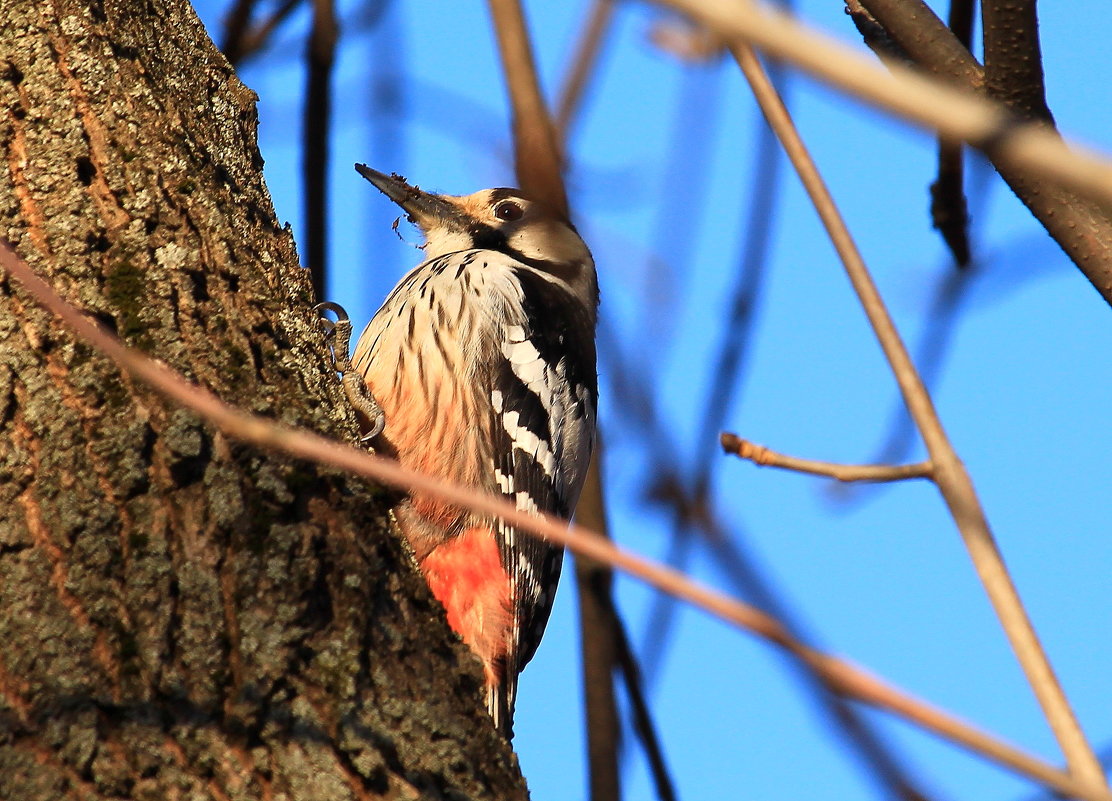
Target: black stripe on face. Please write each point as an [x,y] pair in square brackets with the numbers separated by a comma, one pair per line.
[487,237]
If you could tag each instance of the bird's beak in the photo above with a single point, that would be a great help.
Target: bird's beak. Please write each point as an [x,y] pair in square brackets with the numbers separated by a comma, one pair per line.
[423,208]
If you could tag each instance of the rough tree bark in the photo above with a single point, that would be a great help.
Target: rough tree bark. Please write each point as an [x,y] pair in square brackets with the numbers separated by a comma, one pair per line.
[182,616]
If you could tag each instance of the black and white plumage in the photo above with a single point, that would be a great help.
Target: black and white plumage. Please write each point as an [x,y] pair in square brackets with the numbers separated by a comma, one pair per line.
[483,361]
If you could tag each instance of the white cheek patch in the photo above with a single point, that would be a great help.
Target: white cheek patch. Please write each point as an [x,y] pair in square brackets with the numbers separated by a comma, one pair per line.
[440,241]
[549,241]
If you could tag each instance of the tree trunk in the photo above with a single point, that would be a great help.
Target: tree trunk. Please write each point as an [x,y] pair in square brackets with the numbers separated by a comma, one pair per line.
[183,616]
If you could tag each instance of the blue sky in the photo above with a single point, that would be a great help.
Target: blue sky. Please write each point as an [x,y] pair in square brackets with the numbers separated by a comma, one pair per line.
[661,172]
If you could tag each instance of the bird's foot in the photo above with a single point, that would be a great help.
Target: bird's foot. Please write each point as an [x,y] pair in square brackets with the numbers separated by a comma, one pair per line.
[338,336]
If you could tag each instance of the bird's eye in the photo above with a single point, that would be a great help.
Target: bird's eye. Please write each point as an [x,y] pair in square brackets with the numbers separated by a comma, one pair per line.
[508,211]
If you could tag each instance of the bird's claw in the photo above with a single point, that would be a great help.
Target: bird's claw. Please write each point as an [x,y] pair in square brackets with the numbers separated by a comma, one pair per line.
[367,410]
[339,332]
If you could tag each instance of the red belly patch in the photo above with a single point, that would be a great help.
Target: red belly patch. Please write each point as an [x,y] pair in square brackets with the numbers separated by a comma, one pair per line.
[466,576]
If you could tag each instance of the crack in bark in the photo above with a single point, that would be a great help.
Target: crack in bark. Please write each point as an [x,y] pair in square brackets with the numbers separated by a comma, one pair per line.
[108,206]
[17,164]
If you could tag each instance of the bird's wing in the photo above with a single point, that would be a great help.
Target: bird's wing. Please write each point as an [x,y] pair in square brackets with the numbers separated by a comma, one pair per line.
[543,399]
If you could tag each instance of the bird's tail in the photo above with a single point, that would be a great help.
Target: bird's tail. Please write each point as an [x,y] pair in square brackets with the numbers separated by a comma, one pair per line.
[500,705]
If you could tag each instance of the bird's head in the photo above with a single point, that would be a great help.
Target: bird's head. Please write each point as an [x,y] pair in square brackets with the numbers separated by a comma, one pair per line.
[505,220]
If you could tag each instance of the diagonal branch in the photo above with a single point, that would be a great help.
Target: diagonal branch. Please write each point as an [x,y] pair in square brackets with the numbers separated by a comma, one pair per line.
[235,28]
[264,433]
[694,515]
[642,718]
[925,40]
[1013,58]
[252,41]
[948,471]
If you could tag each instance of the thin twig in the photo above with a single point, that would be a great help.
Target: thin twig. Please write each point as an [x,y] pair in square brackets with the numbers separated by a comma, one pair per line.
[758,454]
[314,154]
[949,212]
[948,472]
[642,717]
[697,517]
[254,40]
[934,343]
[266,433]
[596,625]
[235,28]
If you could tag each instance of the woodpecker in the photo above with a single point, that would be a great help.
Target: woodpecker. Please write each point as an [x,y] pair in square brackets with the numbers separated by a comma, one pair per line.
[482,362]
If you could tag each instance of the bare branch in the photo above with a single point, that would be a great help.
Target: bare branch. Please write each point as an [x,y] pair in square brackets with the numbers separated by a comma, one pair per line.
[315,146]
[758,454]
[536,159]
[934,48]
[948,472]
[261,432]
[875,35]
[694,513]
[1078,224]
[606,647]
[1024,153]
[537,164]
[241,39]
[597,619]
[1013,58]
[642,719]
[949,213]
[235,28]
[961,21]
